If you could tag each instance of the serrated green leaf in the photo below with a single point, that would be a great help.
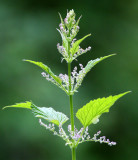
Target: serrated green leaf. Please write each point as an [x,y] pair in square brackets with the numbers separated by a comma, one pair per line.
[49,114]
[46,69]
[26,104]
[75,46]
[87,68]
[92,63]
[90,113]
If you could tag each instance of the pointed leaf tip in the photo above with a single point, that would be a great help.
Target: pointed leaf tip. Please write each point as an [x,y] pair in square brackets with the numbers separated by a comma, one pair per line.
[26,104]
[48,114]
[61,18]
[92,63]
[47,70]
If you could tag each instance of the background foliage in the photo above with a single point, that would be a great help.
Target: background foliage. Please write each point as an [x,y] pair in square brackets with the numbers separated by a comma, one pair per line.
[28,31]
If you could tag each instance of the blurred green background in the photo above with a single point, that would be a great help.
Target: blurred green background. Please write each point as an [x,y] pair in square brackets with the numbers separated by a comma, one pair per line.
[28,31]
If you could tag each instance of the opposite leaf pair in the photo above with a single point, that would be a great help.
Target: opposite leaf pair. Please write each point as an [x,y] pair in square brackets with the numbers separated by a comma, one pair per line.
[87,115]
[62,81]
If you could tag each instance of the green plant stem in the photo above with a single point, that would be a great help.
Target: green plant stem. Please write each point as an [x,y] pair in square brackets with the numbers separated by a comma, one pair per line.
[71,104]
[74,153]
[70,94]
[71,110]
[71,98]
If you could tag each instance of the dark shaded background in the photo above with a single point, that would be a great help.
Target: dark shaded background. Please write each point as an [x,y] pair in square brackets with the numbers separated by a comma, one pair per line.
[28,30]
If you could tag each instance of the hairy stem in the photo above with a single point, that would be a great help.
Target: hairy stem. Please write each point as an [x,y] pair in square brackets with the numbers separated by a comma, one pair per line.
[74,153]
[71,98]
[71,110]
[71,104]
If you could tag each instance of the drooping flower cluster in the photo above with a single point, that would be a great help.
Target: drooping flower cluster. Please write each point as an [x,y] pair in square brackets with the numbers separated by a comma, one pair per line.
[51,79]
[80,52]
[76,79]
[101,139]
[73,138]
[68,30]
[48,77]
[61,133]
[62,50]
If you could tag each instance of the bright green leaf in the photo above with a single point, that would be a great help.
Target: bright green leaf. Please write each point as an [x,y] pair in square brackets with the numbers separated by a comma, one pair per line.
[49,114]
[26,104]
[91,112]
[46,69]
[75,46]
[77,23]
[92,63]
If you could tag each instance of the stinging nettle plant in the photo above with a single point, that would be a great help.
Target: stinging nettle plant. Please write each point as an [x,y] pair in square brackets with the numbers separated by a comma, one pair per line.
[88,114]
